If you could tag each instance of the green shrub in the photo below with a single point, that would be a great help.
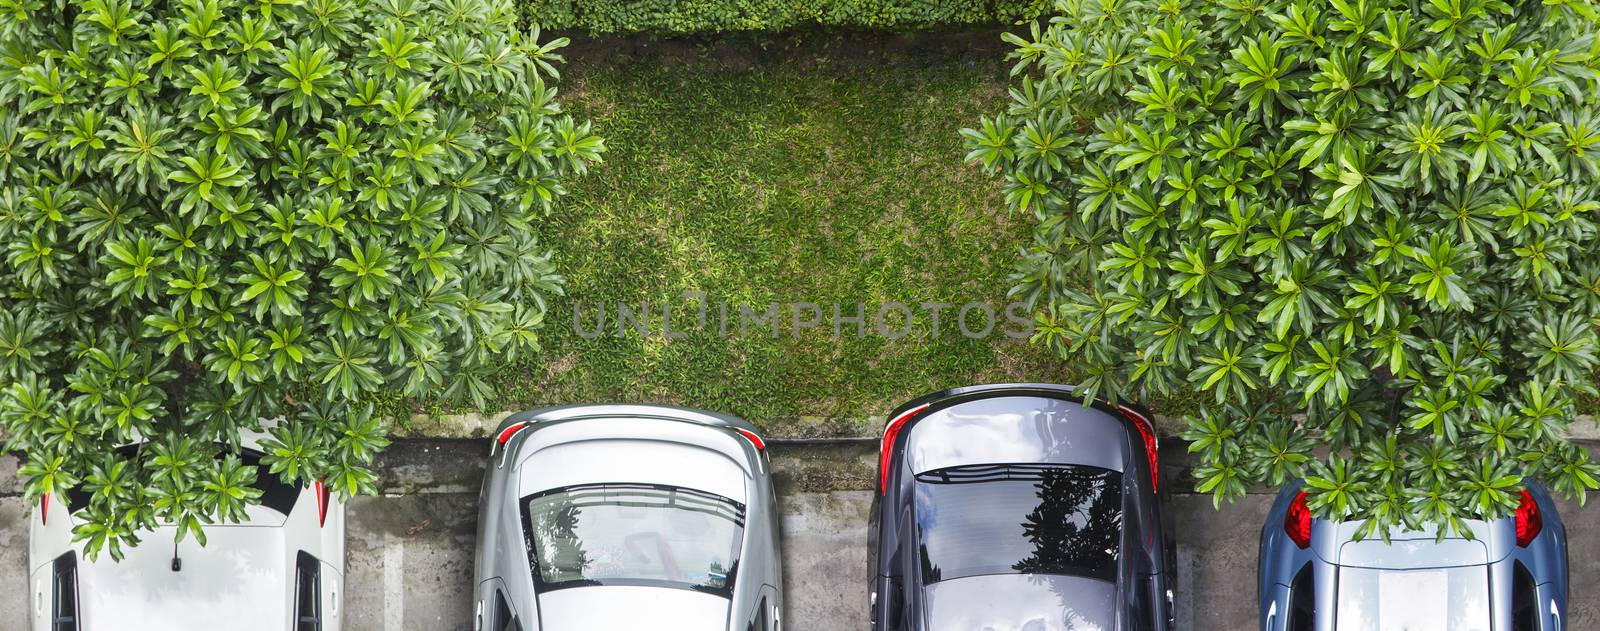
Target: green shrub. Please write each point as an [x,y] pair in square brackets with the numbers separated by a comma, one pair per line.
[221,211]
[710,16]
[1366,225]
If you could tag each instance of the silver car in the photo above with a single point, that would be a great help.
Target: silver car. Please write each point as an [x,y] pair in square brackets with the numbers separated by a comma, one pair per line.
[1511,575]
[282,568]
[627,517]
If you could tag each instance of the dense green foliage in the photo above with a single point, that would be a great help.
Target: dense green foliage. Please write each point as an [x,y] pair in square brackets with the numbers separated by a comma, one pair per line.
[216,212]
[711,16]
[1362,224]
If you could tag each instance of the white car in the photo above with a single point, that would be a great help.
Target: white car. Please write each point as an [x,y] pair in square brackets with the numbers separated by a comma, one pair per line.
[280,570]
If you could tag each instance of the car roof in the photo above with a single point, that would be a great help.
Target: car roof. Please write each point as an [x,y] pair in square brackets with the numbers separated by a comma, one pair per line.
[633,461]
[241,574]
[631,607]
[240,578]
[1021,601]
[1017,429]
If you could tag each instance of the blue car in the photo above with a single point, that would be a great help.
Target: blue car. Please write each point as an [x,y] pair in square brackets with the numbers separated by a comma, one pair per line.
[1510,575]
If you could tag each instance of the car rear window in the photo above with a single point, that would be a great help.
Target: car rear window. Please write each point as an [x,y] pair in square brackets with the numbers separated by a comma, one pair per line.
[275,494]
[633,534]
[1018,519]
[1449,599]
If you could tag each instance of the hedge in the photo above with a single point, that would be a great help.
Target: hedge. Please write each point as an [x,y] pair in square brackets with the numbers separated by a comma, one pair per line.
[677,17]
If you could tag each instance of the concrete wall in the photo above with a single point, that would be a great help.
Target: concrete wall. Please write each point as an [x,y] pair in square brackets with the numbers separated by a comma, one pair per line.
[409,564]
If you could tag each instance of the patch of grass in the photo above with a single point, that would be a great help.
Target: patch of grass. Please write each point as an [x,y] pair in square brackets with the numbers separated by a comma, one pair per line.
[818,173]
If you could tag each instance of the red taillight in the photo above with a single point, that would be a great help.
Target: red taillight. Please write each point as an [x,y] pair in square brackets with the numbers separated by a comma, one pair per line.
[1297,522]
[1529,523]
[760,445]
[1147,431]
[322,503]
[507,433]
[505,436]
[44,508]
[885,451]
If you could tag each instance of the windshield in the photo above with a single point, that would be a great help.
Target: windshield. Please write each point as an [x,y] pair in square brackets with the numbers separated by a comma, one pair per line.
[633,534]
[1019,519]
[1451,599]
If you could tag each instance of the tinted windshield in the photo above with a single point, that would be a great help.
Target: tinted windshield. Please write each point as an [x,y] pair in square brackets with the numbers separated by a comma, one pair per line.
[1453,599]
[1010,519]
[633,534]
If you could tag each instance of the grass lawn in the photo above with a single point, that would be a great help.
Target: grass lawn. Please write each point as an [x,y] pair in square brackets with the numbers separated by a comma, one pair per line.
[823,169]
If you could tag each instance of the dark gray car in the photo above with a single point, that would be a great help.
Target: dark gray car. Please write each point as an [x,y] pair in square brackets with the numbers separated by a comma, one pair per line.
[627,517]
[1018,507]
[1511,575]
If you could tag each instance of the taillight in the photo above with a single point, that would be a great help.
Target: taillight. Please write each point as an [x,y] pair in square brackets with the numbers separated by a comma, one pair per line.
[760,445]
[507,433]
[890,431]
[1529,523]
[1147,432]
[44,508]
[322,503]
[1297,522]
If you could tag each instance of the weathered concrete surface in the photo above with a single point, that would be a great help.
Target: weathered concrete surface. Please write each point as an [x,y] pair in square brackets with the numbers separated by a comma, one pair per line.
[1583,565]
[408,557]
[825,502]
[14,513]
[13,561]
[409,563]
[432,466]
[825,561]
[1216,557]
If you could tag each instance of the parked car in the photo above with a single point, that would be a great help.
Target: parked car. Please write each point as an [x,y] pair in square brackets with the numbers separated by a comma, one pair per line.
[1018,506]
[1510,575]
[627,517]
[282,568]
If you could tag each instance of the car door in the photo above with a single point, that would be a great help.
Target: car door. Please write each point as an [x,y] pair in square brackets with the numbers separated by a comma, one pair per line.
[879,590]
[495,611]
[765,616]
[56,595]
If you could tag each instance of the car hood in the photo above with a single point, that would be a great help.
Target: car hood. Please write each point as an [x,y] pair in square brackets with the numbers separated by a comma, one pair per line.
[629,607]
[239,580]
[1020,602]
